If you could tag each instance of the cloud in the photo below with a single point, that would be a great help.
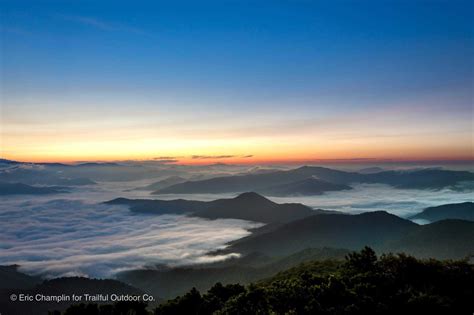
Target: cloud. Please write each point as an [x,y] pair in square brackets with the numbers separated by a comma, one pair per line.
[372,197]
[81,236]
[165,161]
[73,237]
[100,24]
[204,157]
[166,157]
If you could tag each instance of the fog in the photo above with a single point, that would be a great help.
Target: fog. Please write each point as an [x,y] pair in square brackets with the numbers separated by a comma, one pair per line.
[71,237]
[75,234]
[362,198]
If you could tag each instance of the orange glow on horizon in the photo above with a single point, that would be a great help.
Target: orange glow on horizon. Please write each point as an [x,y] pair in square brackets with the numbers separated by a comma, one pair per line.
[255,160]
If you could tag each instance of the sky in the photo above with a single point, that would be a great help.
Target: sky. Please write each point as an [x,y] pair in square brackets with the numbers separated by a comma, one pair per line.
[236,81]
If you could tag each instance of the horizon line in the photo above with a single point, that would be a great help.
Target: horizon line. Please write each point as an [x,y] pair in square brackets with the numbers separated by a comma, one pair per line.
[184,162]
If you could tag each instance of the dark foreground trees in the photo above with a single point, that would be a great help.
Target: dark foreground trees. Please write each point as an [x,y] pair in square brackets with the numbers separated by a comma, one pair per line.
[363,284]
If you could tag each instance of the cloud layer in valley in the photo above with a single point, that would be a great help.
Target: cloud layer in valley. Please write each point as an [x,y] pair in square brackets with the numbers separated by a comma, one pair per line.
[78,235]
[70,237]
[363,198]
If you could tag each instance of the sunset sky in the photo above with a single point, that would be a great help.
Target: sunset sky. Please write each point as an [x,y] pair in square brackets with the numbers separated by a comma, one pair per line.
[236,81]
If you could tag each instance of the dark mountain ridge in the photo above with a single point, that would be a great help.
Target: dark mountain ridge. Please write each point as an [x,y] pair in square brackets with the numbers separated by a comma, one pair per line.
[23,189]
[261,183]
[169,181]
[463,211]
[445,239]
[330,230]
[382,231]
[41,176]
[13,279]
[247,206]
[169,282]
[306,187]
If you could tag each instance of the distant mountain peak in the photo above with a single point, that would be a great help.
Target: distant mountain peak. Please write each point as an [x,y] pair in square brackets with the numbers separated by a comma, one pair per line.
[464,211]
[379,214]
[309,167]
[92,164]
[252,196]
[6,161]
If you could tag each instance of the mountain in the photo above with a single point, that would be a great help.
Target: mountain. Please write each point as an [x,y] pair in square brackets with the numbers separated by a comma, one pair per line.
[247,206]
[420,178]
[116,172]
[463,211]
[252,267]
[95,164]
[254,207]
[80,174]
[370,170]
[23,189]
[330,230]
[260,170]
[177,206]
[9,162]
[41,175]
[362,284]
[446,239]
[256,182]
[260,183]
[53,164]
[305,187]
[11,278]
[172,180]
[383,231]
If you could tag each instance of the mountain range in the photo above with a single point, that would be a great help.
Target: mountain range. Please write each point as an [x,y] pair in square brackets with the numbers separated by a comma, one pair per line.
[39,175]
[463,211]
[23,189]
[295,227]
[294,234]
[169,181]
[170,282]
[382,231]
[309,180]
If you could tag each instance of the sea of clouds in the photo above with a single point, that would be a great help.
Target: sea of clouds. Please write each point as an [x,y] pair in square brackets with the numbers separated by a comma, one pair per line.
[75,234]
[363,198]
[372,197]
[72,237]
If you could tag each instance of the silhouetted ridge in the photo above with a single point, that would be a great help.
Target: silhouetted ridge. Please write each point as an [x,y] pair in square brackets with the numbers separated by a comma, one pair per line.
[13,279]
[265,183]
[169,181]
[464,211]
[11,162]
[445,239]
[381,230]
[94,164]
[23,189]
[247,206]
[330,230]
[362,284]
[253,197]
[306,187]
